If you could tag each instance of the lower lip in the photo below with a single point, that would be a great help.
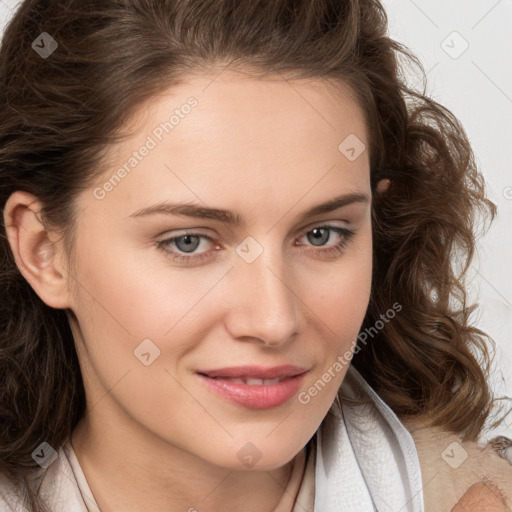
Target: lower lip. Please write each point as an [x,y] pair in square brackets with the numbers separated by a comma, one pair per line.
[256,397]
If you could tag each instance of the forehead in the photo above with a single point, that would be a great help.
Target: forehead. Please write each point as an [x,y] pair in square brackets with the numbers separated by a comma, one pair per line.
[246,134]
[251,108]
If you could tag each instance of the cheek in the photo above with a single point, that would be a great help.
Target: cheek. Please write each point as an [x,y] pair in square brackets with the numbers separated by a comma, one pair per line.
[137,291]
[341,296]
[340,302]
[123,314]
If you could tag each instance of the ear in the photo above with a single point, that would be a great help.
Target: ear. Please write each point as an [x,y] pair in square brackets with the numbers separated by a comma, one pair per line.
[36,251]
[383,185]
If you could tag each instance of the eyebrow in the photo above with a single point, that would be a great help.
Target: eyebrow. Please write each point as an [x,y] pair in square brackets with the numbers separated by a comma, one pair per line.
[235,218]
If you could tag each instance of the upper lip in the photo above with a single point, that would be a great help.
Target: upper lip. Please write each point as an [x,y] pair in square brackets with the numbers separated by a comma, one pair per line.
[257,372]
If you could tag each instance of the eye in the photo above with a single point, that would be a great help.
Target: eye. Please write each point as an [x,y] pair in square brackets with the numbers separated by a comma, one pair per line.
[186,243]
[181,248]
[321,234]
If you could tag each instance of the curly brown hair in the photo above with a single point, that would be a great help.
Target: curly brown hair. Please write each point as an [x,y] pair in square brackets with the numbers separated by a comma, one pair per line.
[58,115]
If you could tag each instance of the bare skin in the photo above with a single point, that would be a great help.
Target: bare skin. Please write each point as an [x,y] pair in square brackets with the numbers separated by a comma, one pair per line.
[155,437]
[481,497]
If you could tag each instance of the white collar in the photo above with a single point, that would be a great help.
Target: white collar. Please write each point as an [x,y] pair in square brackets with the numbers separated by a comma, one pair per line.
[366,459]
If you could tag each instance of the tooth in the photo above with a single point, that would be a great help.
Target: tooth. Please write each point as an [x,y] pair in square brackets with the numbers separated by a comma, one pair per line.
[251,381]
[236,380]
[254,382]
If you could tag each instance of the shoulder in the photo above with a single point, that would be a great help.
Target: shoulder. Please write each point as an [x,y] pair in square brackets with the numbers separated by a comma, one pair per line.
[461,476]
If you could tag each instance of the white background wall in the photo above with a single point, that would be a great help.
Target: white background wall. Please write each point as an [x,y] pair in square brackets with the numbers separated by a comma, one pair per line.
[476,85]
[469,72]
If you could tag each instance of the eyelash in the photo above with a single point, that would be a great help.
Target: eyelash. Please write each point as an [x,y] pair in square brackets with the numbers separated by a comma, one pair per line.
[331,251]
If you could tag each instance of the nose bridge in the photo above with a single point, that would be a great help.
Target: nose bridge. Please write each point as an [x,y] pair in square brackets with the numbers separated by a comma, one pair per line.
[266,306]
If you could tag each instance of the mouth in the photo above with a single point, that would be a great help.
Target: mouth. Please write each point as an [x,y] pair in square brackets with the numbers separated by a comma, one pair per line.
[254,372]
[251,381]
[255,387]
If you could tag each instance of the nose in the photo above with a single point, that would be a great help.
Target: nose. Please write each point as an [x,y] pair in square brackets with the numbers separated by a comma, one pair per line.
[263,305]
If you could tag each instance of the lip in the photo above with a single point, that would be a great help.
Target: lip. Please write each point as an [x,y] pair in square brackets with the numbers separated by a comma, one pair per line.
[264,396]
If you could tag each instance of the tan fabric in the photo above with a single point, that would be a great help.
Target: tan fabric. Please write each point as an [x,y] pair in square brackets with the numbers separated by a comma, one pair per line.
[460,476]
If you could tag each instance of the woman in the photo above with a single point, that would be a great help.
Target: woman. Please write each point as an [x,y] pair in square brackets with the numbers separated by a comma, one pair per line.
[228,269]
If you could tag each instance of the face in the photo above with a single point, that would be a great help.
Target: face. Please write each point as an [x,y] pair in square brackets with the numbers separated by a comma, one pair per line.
[221,328]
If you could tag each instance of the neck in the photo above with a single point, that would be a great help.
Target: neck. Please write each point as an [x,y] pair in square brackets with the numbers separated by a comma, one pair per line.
[133,470]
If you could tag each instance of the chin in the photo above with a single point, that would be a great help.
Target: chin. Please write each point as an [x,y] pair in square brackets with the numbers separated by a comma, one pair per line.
[258,456]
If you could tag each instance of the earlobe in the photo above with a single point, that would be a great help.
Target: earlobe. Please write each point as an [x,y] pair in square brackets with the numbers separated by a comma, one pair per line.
[383,185]
[37,256]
